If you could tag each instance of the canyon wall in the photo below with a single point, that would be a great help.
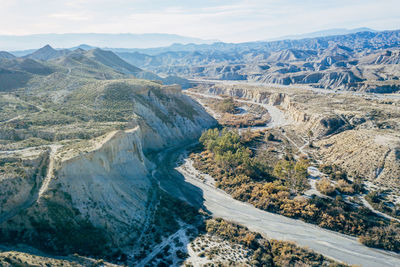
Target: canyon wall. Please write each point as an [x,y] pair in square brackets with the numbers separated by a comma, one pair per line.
[100,194]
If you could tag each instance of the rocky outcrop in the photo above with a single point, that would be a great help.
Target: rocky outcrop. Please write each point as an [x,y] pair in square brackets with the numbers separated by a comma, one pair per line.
[320,124]
[237,91]
[387,57]
[21,176]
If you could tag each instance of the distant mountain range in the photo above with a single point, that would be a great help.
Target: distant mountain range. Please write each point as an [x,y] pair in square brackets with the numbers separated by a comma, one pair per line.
[362,61]
[127,42]
[14,42]
[329,32]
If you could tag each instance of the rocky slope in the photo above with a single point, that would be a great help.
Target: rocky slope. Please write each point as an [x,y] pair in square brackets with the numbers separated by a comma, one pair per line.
[366,153]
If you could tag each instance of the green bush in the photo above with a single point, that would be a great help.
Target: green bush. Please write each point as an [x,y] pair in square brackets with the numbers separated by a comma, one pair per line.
[227,106]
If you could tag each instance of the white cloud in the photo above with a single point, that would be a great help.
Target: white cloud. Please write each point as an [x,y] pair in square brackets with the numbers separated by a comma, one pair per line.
[71,16]
[233,20]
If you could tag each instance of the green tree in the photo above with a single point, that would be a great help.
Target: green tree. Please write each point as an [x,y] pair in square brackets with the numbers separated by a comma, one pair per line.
[227,105]
[293,173]
[300,169]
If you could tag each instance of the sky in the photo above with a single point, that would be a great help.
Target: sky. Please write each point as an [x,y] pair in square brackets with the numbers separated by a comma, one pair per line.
[225,20]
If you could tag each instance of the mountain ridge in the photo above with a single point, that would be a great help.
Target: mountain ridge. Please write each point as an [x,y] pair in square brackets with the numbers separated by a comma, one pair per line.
[23,42]
[80,62]
[322,33]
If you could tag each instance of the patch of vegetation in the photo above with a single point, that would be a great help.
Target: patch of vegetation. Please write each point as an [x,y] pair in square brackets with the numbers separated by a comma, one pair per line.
[238,172]
[266,252]
[379,201]
[65,232]
[232,156]
[387,237]
[170,211]
[61,230]
[325,187]
[227,106]
[333,171]
[230,110]
[293,173]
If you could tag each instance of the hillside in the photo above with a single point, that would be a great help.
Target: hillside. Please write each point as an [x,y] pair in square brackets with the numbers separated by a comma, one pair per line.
[94,63]
[75,172]
[6,55]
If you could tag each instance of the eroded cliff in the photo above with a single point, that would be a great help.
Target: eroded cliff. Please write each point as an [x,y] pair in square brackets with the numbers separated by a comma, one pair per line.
[97,195]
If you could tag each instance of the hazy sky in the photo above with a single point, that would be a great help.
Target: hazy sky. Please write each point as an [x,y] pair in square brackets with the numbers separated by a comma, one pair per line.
[226,20]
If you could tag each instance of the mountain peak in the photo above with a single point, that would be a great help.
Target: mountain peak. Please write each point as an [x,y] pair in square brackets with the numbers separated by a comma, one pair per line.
[46,52]
[79,50]
[83,47]
[6,55]
[47,47]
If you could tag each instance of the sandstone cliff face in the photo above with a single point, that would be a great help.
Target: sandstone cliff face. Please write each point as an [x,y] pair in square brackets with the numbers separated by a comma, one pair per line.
[241,92]
[320,124]
[100,194]
[110,186]
[172,120]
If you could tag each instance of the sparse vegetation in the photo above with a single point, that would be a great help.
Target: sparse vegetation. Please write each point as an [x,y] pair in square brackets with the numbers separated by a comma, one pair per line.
[387,237]
[77,100]
[379,201]
[227,106]
[238,172]
[294,174]
[76,104]
[265,252]
[232,114]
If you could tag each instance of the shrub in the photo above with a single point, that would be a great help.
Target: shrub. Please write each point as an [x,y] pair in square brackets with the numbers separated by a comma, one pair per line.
[266,252]
[293,173]
[181,254]
[387,238]
[227,105]
[374,197]
[344,187]
[325,187]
